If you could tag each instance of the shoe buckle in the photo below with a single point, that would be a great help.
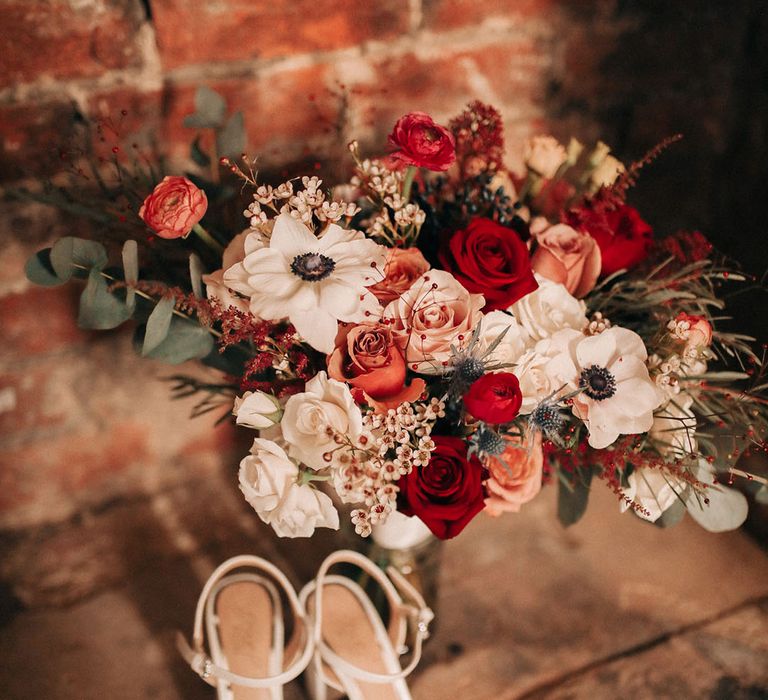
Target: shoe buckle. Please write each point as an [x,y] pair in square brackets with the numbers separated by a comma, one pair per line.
[421,618]
[203,666]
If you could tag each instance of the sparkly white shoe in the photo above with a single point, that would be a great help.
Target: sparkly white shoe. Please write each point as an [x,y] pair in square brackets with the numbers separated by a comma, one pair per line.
[355,653]
[245,629]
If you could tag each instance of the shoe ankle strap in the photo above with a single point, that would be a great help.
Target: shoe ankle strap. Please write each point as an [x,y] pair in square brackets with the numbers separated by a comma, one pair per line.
[201,662]
[416,613]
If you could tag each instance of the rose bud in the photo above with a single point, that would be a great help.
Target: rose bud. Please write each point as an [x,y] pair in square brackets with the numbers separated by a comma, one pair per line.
[419,141]
[255,409]
[174,207]
[494,398]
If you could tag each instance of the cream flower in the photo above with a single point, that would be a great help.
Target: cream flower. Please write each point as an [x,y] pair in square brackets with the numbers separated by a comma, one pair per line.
[215,287]
[268,480]
[654,490]
[255,409]
[512,345]
[314,417]
[544,155]
[434,313]
[314,282]
[548,309]
[618,396]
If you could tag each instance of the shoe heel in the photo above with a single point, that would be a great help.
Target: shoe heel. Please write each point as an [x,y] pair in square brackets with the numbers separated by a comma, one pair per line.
[316,687]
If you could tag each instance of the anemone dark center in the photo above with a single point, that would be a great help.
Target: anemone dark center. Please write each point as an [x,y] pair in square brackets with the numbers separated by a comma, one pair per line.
[598,383]
[312,267]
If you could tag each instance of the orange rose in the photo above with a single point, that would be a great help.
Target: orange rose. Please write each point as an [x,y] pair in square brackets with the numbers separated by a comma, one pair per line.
[174,207]
[367,358]
[404,266]
[515,477]
[566,256]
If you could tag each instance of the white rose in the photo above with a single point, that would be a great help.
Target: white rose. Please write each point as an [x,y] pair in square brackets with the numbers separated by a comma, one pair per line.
[302,510]
[605,174]
[313,418]
[539,374]
[544,155]
[549,309]
[265,476]
[255,409]
[511,346]
[654,490]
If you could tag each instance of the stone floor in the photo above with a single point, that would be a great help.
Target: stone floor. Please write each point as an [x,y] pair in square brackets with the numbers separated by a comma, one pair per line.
[610,608]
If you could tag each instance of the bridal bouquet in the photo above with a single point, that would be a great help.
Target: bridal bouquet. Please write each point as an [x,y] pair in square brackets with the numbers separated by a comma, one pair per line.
[440,336]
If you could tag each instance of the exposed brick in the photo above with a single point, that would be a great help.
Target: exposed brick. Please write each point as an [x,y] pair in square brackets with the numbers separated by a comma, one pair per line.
[450,14]
[234,30]
[59,39]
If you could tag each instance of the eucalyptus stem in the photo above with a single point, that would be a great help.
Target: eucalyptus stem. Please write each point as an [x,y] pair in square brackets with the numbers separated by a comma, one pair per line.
[408,182]
[208,239]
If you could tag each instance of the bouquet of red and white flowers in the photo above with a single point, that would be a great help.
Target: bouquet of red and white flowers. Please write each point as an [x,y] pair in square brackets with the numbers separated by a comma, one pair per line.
[441,336]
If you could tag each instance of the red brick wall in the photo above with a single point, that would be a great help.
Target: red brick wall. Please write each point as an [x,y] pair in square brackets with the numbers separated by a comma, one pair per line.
[85,422]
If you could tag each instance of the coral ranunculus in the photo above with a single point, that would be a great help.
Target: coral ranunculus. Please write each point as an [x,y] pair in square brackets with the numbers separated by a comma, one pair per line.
[368,359]
[491,260]
[174,207]
[418,141]
[448,492]
[494,398]
[566,256]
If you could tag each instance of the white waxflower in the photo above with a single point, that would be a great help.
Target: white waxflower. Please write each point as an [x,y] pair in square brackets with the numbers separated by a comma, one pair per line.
[313,282]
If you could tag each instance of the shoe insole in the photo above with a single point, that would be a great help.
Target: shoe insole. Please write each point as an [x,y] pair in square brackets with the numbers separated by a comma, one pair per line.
[245,617]
[350,633]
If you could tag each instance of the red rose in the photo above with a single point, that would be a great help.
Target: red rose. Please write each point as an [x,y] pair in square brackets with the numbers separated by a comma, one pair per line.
[174,207]
[491,260]
[623,237]
[419,141]
[448,492]
[494,398]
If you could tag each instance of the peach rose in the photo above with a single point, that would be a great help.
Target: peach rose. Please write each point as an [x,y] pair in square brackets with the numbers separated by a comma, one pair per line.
[515,477]
[174,207]
[568,257]
[404,266]
[368,359]
[433,314]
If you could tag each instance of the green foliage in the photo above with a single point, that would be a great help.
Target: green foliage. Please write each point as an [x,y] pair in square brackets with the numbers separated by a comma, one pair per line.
[230,139]
[184,340]
[69,254]
[131,270]
[210,110]
[572,497]
[158,325]
[40,271]
[100,309]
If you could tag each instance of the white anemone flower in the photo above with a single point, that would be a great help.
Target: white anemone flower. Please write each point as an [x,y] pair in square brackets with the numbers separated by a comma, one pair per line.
[617,395]
[313,282]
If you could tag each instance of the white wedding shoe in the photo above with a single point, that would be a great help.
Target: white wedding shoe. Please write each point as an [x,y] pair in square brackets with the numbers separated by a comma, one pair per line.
[244,624]
[354,652]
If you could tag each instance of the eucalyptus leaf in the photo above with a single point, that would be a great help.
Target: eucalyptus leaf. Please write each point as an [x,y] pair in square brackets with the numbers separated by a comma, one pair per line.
[726,510]
[158,324]
[198,155]
[572,503]
[210,110]
[761,495]
[196,275]
[230,140]
[186,340]
[40,271]
[130,272]
[69,252]
[99,309]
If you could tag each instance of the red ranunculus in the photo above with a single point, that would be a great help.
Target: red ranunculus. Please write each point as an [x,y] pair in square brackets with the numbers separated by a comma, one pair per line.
[623,237]
[174,207]
[419,141]
[448,492]
[491,260]
[494,398]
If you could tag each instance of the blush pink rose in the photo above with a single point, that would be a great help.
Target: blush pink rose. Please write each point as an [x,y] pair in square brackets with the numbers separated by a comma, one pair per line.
[514,477]
[174,207]
[568,257]
[433,314]
[404,266]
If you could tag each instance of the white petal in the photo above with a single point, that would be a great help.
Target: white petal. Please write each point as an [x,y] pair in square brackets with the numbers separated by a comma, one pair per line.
[726,510]
[291,237]
[596,350]
[340,300]
[317,327]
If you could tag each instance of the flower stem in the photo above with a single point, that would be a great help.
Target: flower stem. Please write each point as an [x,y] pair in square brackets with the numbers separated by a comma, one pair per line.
[208,239]
[408,182]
